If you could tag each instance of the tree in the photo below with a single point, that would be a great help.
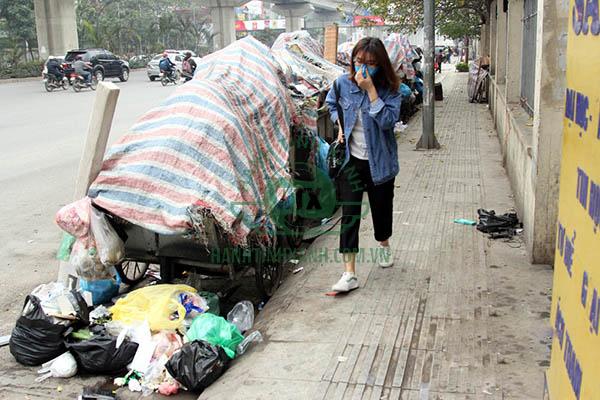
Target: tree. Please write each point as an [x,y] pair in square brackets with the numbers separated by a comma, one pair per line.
[130,27]
[454,18]
[20,25]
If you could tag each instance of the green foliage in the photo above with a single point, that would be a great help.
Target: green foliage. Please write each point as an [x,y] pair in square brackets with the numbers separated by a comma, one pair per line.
[454,18]
[462,67]
[136,27]
[17,22]
[22,70]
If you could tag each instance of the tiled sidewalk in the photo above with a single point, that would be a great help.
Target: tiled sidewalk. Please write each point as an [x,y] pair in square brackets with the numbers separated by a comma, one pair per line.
[457,317]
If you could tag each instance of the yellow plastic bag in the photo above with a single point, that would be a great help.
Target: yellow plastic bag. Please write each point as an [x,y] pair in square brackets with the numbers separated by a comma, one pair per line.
[155,304]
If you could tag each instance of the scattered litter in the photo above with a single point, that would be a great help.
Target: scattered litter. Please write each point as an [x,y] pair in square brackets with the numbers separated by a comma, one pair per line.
[59,389]
[134,385]
[398,212]
[101,354]
[63,366]
[301,252]
[30,241]
[485,391]
[92,393]
[4,340]
[254,337]
[158,304]
[36,337]
[342,359]
[405,223]
[498,226]
[261,305]
[99,313]
[216,331]
[168,388]
[242,315]
[198,364]
[294,261]
[463,221]
[295,271]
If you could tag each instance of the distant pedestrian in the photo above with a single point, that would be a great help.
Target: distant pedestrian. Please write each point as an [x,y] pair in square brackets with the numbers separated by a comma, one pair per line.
[370,101]
[438,61]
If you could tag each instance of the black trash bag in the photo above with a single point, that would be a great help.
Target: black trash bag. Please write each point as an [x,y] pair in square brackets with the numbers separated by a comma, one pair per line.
[82,311]
[99,355]
[491,223]
[35,338]
[197,365]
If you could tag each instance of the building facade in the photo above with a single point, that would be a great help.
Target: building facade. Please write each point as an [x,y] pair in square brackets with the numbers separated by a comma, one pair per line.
[526,42]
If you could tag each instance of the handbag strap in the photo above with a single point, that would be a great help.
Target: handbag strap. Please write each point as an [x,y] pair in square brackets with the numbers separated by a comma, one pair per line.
[336,87]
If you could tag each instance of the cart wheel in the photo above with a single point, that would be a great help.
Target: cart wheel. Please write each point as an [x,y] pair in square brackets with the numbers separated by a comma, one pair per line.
[131,272]
[268,276]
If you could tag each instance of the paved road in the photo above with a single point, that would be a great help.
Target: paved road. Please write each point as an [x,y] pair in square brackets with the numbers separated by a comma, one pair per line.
[41,139]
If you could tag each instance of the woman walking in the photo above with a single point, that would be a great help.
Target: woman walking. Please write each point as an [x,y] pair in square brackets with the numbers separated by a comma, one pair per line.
[369,100]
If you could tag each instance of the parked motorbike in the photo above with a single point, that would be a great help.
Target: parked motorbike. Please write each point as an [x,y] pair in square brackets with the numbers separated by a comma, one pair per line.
[78,82]
[51,83]
[166,78]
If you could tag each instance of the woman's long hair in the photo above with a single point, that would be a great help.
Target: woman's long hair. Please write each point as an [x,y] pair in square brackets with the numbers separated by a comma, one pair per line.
[385,78]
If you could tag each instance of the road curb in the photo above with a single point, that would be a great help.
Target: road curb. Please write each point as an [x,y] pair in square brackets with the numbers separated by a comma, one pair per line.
[19,80]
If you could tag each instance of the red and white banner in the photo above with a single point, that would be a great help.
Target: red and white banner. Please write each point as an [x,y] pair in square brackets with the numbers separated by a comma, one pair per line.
[259,24]
[370,20]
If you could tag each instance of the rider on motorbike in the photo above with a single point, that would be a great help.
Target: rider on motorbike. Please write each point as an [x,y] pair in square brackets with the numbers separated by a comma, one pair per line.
[54,69]
[166,65]
[81,68]
[188,67]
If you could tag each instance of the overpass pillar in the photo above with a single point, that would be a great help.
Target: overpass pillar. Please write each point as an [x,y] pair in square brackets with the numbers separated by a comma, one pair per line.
[222,14]
[321,18]
[56,27]
[294,14]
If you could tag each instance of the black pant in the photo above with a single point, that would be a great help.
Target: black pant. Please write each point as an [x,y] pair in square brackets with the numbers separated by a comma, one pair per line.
[355,178]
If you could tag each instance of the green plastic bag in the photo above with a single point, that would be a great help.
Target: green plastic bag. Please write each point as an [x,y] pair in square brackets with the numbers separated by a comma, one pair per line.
[216,331]
[213,302]
[64,251]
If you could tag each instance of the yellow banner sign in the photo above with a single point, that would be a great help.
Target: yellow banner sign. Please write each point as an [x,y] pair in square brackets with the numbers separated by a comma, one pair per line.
[575,365]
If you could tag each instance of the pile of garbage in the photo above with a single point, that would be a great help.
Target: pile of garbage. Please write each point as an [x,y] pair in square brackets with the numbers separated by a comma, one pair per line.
[161,338]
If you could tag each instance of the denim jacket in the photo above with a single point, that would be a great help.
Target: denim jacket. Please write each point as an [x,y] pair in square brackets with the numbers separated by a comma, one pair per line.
[378,120]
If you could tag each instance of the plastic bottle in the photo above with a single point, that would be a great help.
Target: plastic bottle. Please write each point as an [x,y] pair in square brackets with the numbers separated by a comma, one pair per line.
[251,338]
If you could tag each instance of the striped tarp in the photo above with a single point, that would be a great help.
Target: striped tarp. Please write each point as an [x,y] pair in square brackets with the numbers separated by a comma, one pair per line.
[301,60]
[219,145]
[401,53]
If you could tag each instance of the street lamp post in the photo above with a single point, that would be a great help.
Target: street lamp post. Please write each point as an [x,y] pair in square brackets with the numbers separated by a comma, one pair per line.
[428,139]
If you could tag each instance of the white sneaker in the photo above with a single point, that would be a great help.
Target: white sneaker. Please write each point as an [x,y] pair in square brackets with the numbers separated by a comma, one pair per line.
[347,282]
[386,257]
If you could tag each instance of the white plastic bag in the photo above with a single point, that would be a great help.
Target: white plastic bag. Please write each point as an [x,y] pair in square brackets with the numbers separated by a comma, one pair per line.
[63,366]
[84,258]
[242,315]
[111,248]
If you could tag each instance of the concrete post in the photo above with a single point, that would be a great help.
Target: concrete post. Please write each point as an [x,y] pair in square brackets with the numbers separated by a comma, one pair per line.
[56,27]
[428,139]
[514,48]
[294,14]
[548,111]
[103,111]
[500,44]
[222,13]
[493,34]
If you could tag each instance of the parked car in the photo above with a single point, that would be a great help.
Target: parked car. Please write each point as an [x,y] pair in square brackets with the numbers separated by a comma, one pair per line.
[104,63]
[153,70]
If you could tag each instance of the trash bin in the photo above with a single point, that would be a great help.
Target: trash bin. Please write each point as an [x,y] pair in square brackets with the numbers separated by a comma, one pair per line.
[438,92]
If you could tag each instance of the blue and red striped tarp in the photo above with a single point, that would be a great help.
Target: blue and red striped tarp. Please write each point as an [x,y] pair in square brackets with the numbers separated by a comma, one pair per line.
[219,143]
